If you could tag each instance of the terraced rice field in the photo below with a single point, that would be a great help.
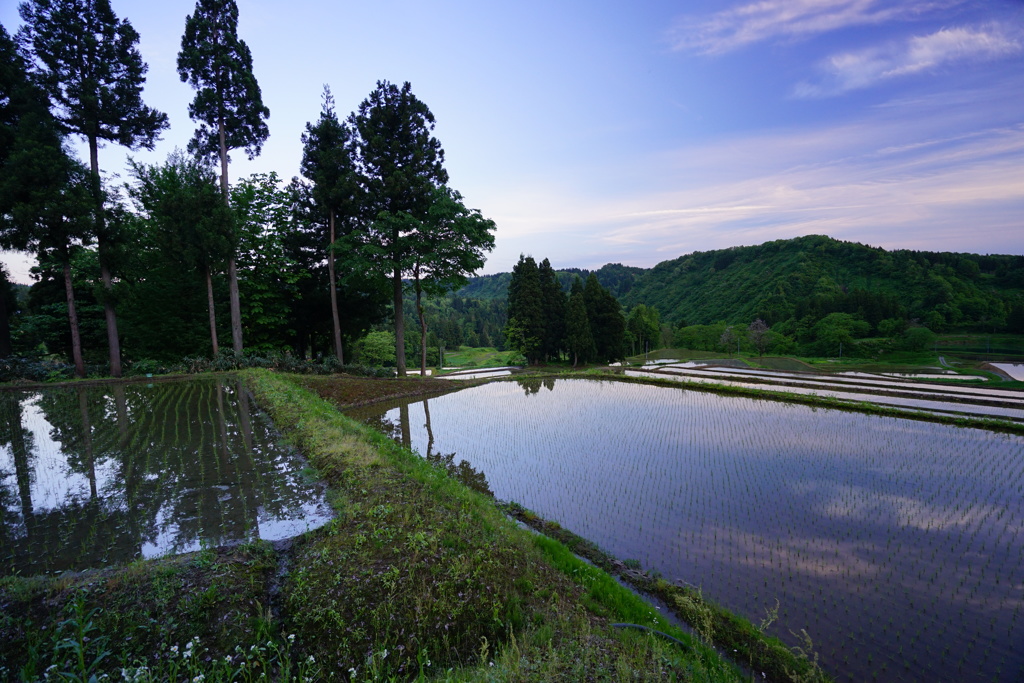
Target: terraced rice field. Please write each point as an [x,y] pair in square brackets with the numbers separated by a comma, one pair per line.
[897,544]
[91,476]
[900,393]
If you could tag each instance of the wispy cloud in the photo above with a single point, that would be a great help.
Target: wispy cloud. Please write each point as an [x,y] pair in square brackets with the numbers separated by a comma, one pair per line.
[789,19]
[847,71]
[897,180]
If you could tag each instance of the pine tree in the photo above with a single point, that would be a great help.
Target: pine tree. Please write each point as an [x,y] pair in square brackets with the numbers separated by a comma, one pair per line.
[45,193]
[401,163]
[554,311]
[228,104]
[94,73]
[579,339]
[525,330]
[328,160]
[607,323]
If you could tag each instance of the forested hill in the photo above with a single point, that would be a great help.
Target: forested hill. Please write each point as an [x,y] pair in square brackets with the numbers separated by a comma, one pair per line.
[806,278]
[615,277]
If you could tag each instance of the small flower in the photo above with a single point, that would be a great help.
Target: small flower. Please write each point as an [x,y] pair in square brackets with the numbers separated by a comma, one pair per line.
[291,638]
[384,655]
[198,678]
[312,660]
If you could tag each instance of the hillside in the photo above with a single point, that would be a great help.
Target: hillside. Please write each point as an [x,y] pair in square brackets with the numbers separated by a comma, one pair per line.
[801,280]
[788,280]
[615,277]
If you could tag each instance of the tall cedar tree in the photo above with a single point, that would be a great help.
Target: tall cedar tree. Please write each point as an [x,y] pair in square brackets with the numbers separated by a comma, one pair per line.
[328,161]
[94,74]
[228,104]
[401,164]
[526,321]
[578,338]
[554,311]
[192,224]
[607,324]
[45,194]
[450,245]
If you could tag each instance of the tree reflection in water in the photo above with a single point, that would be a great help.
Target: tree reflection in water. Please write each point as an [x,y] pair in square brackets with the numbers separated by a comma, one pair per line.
[91,476]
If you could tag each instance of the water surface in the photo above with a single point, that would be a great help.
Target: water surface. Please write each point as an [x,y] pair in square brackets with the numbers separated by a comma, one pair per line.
[898,545]
[91,476]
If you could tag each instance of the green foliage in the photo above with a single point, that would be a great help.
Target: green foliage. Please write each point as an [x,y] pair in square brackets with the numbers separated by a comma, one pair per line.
[268,276]
[785,281]
[92,70]
[607,324]
[377,349]
[218,65]
[578,339]
[526,327]
[917,339]
[644,327]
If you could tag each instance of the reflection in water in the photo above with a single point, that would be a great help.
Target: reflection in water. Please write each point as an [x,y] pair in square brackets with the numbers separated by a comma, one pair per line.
[532,385]
[882,537]
[396,425]
[91,476]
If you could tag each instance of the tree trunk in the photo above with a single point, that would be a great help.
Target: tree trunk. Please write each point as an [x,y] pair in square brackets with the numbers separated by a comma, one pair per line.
[396,282]
[5,325]
[334,296]
[423,329]
[76,340]
[108,306]
[236,307]
[213,315]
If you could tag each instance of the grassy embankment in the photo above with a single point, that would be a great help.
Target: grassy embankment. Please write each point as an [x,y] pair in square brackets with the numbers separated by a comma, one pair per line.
[417,577]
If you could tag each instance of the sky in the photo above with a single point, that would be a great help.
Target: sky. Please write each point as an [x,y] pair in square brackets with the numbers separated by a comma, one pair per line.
[607,132]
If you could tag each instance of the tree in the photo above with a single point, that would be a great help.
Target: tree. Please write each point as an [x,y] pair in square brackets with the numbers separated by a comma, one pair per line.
[228,104]
[268,275]
[363,292]
[554,310]
[189,221]
[607,324]
[729,339]
[579,339]
[94,73]
[757,333]
[401,163]
[449,245]
[525,330]
[45,193]
[328,160]
[644,324]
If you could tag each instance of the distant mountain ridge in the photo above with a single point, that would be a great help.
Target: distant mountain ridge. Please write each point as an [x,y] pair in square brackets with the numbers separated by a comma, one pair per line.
[805,278]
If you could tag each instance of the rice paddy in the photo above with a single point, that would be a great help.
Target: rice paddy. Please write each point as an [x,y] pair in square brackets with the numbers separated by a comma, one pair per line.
[92,476]
[897,544]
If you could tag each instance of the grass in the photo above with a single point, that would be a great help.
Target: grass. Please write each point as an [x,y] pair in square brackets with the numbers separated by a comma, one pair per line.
[419,569]
[418,577]
[481,357]
[725,630]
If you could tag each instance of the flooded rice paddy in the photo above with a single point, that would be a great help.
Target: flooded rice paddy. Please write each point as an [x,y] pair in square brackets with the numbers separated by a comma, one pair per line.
[898,545]
[903,394]
[91,476]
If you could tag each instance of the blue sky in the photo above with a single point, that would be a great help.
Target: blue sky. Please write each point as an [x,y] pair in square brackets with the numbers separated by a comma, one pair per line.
[596,132]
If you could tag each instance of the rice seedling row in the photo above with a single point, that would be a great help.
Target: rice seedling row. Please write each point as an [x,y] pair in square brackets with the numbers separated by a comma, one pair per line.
[91,476]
